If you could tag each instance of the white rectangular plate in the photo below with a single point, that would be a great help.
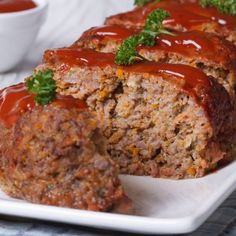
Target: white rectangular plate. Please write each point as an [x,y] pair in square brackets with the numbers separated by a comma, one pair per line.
[162,206]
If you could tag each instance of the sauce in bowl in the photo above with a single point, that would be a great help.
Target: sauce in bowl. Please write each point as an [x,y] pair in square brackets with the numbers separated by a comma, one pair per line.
[7,6]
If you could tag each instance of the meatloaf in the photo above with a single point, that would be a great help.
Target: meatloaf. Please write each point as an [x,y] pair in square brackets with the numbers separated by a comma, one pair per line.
[186,15]
[206,51]
[56,155]
[161,120]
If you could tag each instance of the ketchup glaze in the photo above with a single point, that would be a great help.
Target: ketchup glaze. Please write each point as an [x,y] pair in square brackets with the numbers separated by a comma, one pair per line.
[187,14]
[108,31]
[15,100]
[196,44]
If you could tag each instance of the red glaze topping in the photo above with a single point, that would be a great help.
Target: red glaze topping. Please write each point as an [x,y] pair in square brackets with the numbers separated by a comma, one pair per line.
[196,44]
[187,13]
[81,57]
[110,31]
[187,42]
[15,100]
[68,102]
[7,6]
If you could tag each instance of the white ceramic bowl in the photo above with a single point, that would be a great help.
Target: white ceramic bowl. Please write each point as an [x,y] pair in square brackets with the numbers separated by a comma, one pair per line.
[18,31]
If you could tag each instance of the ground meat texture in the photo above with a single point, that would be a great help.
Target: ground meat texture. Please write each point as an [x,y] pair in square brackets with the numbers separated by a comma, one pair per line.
[156,123]
[185,15]
[212,54]
[57,157]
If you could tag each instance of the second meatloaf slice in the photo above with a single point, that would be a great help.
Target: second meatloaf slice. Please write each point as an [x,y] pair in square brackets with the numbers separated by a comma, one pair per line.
[160,119]
[206,51]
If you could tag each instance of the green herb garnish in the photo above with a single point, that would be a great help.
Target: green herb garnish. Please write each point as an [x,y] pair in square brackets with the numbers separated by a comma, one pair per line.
[141,3]
[224,6]
[43,85]
[153,27]
[127,53]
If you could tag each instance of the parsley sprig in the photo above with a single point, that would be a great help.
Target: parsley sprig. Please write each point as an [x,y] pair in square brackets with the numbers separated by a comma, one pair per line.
[141,3]
[127,53]
[224,6]
[43,85]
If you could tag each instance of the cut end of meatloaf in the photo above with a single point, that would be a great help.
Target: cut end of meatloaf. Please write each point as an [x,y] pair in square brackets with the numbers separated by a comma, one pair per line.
[57,156]
[161,120]
[208,52]
[185,15]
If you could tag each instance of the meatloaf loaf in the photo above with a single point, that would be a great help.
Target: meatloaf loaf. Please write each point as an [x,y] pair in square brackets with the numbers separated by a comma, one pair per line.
[56,155]
[186,15]
[161,120]
[212,54]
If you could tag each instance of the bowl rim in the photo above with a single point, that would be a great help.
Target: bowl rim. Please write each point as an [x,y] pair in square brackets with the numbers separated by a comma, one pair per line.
[41,5]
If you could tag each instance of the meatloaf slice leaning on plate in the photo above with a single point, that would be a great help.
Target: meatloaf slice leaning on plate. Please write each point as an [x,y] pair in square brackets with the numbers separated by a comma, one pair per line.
[55,154]
[212,54]
[160,119]
[186,15]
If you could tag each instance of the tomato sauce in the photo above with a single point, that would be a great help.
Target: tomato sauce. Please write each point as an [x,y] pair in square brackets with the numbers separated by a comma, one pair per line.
[187,14]
[7,6]
[108,31]
[16,100]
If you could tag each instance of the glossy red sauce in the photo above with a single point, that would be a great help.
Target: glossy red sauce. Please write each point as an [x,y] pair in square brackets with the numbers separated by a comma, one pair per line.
[186,13]
[69,102]
[82,57]
[15,100]
[7,6]
[187,42]
[196,44]
[110,31]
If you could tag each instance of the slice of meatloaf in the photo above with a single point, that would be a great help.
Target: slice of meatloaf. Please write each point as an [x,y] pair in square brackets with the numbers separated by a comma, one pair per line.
[162,120]
[206,51]
[186,15]
[56,155]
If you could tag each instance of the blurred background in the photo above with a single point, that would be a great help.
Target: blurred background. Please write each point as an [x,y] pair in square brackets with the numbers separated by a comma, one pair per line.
[66,21]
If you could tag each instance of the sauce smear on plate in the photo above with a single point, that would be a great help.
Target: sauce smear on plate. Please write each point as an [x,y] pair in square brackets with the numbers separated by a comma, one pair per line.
[7,6]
